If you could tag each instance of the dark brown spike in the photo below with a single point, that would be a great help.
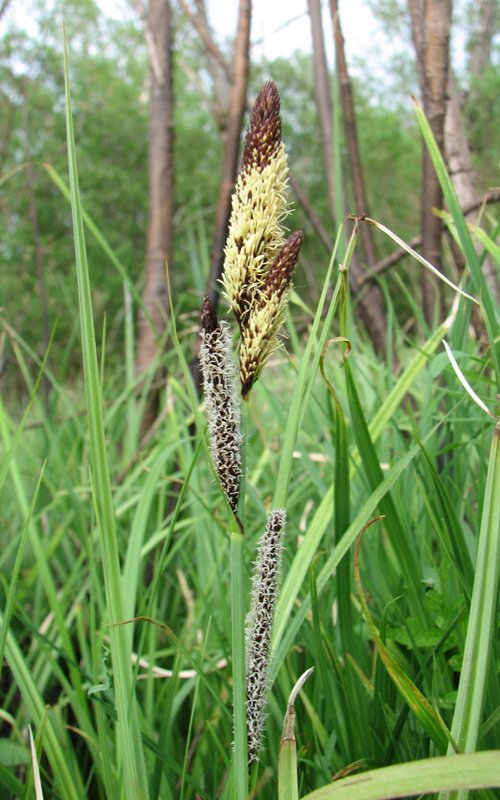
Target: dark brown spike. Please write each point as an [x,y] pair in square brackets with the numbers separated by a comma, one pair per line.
[209,321]
[280,274]
[264,133]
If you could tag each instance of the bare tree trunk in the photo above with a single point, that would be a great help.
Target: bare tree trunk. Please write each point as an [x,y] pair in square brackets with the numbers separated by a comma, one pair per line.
[161,184]
[488,20]
[231,155]
[355,167]
[371,302]
[462,172]
[218,67]
[431,21]
[323,98]
[4,6]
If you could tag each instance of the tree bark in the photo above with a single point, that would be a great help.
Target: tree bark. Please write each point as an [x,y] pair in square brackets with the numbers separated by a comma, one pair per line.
[463,174]
[488,19]
[351,134]
[371,302]
[430,20]
[231,155]
[323,98]
[218,67]
[159,244]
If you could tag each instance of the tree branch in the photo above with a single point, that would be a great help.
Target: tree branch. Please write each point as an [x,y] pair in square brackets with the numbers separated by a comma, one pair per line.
[394,258]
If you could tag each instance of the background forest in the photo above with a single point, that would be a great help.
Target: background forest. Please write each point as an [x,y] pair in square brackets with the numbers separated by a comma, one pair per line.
[105,465]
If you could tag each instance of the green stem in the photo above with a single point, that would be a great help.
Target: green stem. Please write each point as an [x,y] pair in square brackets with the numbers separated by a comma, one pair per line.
[238,615]
[240,755]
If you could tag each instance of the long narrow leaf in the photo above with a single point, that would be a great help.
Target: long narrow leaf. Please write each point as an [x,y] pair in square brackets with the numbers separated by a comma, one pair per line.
[476,771]
[128,730]
[472,259]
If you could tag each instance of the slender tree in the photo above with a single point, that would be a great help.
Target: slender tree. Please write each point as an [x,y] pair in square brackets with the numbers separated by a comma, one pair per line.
[219,69]
[430,22]
[323,98]
[232,149]
[351,134]
[371,302]
[486,26]
[158,33]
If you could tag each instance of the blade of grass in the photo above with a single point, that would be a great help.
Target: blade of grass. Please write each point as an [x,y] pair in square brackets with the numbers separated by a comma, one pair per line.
[411,694]
[288,788]
[130,748]
[305,379]
[394,524]
[14,576]
[101,240]
[55,741]
[474,771]
[486,300]
[481,624]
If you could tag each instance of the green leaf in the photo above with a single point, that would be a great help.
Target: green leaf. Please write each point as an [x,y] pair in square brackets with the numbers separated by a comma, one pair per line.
[472,771]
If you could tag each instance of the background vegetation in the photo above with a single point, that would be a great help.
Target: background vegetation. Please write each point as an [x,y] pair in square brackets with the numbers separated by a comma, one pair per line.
[400,438]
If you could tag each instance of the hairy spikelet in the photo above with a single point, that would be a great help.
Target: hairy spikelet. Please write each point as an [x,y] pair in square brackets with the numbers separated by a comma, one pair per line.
[258,207]
[259,627]
[259,336]
[223,413]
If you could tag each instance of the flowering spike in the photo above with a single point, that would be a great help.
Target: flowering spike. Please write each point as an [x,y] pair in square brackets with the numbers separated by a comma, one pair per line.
[223,413]
[263,138]
[259,337]
[258,206]
[259,626]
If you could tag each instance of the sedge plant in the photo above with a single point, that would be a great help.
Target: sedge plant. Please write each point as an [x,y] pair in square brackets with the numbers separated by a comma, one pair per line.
[258,267]
[404,655]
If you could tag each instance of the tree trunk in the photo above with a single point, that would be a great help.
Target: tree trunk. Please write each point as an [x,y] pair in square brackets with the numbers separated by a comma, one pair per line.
[220,71]
[371,302]
[231,155]
[323,98]
[488,19]
[430,20]
[462,172]
[351,135]
[161,185]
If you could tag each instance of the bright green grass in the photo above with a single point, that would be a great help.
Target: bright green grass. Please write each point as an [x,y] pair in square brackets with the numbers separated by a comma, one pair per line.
[99,530]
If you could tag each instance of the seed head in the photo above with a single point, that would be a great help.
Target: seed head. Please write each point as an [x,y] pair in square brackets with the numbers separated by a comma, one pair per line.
[223,413]
[258,206]
[260,627]
[263,138]
[259,337]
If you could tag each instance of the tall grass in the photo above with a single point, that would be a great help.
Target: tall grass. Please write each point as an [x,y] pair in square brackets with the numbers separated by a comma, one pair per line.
[406,666]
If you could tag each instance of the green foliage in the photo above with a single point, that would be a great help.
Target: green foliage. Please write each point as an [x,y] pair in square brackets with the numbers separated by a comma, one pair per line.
[112,526]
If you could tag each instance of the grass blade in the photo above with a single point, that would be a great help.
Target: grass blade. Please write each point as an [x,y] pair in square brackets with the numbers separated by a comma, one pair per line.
[480,628]
[473,771]
[490,313]
[130,749]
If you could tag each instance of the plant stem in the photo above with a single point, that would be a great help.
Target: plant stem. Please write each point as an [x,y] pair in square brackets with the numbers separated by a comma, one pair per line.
[240,774]
[238,615]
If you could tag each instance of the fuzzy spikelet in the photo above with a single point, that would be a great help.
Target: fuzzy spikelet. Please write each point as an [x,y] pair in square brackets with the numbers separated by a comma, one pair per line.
[223,413]
[259,337]
[258,207]
[259,627]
